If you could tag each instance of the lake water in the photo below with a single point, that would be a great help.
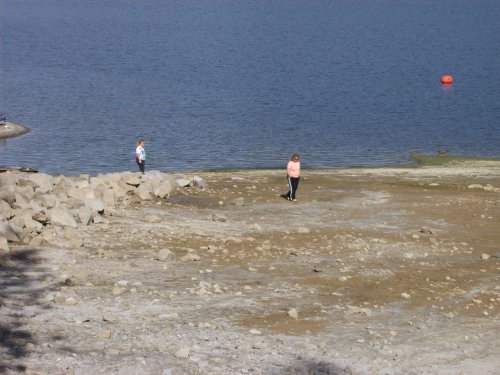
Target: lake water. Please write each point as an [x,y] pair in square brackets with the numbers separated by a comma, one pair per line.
[243,84]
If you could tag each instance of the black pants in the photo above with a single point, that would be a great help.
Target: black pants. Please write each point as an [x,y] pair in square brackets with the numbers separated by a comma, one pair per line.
[141,164]
[293,183]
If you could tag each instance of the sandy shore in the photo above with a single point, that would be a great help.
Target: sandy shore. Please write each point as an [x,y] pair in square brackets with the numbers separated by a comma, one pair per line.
[371,271]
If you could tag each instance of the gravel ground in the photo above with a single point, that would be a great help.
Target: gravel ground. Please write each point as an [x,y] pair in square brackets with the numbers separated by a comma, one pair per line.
[371,271]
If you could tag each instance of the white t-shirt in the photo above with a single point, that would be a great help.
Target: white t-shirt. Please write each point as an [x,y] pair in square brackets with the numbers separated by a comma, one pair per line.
[140,153]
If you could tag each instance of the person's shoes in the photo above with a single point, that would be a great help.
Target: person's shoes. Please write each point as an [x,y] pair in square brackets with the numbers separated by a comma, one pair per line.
[293,200]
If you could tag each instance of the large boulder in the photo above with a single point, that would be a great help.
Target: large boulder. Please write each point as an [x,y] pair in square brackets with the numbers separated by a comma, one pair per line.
[7,231]
[183,182]
[21,202]
[85,215]
[96,205]
[61,217]
[5,209]
[4,245]
[134,180]
[7,195]
[8,179]
[26,221]
[48,200]
[144,191]
[81,193]
[43,181]
[199,182]
[163,190]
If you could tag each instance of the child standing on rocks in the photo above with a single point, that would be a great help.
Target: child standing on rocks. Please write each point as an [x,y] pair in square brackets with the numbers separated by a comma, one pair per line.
[140,155]
[293,176]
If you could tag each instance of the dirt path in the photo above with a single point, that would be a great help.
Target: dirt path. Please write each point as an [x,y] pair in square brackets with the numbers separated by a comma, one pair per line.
[371,271]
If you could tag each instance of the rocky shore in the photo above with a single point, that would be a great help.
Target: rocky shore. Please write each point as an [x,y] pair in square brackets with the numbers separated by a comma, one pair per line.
[371,271]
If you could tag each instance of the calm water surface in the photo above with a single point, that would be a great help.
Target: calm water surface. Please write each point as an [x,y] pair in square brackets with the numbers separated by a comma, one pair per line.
[223,84]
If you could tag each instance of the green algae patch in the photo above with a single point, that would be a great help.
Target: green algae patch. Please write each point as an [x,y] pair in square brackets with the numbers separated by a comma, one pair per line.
[450,160]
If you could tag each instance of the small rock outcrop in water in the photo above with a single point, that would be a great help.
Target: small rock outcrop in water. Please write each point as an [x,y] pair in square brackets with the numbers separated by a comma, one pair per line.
[10,130]
[32,202]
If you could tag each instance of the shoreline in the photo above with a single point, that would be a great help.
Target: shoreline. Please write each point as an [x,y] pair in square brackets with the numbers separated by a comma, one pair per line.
[423,161]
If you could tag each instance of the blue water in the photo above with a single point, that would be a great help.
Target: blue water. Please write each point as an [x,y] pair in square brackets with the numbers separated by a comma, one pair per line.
[246,83]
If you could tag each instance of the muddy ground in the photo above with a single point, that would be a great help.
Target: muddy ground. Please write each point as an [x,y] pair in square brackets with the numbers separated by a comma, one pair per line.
[371,271]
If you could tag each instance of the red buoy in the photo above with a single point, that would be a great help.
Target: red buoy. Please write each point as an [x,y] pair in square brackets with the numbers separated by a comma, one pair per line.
[447,80]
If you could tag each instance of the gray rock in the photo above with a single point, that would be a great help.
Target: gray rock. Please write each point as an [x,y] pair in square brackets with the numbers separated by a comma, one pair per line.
[190,257]
[163,190]
[95,205]
[81,193]
[43,181]
[7,195]
[182,353]
[5,209]
[7,231]
[41,217]
[199,182]
[4,245]
[49,201]
[62,218]
[134,181]
[144,191]
[21,201]
[165,255]
[215,217]
[183,182]
[8,178]
[239,201]
[293,313]
[70,234]
[30,224]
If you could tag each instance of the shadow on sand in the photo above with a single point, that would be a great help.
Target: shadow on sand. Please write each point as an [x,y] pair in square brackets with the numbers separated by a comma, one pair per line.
[312,367]
[20,274]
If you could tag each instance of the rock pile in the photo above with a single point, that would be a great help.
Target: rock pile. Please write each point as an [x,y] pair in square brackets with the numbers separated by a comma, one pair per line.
[34,207]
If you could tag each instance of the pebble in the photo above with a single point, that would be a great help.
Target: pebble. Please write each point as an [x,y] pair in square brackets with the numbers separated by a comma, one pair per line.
[70,301]
[103,334]
[405,295]
[182,352]
[293,313]
[190,257]
[117,291]
[168,316]
[259,345]
[485,256]
[109,318]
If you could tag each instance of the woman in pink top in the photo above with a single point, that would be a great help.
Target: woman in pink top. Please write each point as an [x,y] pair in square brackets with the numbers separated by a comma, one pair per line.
[293,175]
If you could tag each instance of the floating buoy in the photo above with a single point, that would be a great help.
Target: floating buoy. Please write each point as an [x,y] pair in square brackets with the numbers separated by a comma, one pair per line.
[446,80]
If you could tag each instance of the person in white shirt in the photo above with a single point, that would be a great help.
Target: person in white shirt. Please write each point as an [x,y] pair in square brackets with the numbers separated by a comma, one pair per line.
[140,155]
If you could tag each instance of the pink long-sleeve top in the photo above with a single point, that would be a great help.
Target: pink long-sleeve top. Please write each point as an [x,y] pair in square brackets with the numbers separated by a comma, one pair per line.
[293,168]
